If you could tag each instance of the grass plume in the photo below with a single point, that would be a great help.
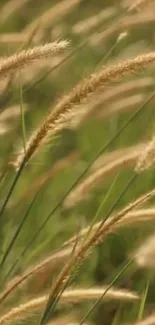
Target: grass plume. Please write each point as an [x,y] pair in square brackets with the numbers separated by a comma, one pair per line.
[19,60]
[60,117]
[69,296]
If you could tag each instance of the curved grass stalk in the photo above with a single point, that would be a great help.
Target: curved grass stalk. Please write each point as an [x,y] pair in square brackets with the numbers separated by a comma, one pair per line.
[136,114]
[73,295]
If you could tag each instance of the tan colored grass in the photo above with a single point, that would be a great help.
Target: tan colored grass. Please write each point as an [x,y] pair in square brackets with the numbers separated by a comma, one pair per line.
[11,7]
[139,3]
[4,128]
[29,73]
[81,191]
[111,156]
[93,239]
[145,254]
[93,107]
[112,222]
[147,157]
[17,281]
[11,112]
[149,320]
[61,116]
[132,217]
[93,21]
[13,38]
[122,105]
[50,16]
[121,26]
[73,295]
[19,60]
[65,320]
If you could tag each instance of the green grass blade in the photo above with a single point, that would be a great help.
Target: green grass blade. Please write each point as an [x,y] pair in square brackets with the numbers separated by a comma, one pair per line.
[109,287]
[18,230]
[136,114]
[51,304]
[53,301]
[116,319]
[143,301]
[101,206]
[10,192]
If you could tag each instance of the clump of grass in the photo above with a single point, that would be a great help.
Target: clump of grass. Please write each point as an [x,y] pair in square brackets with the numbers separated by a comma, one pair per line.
[62,114]
[42,251]
[74,296]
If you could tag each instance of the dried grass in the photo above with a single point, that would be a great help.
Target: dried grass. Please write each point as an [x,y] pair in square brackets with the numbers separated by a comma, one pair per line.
[82,250]
[61,116]
[67,114]
[103,99]
[13,38]
[82,190]
[11,7]
[147,157]
[88,24]
[68,296]
[131,218]
[93,239]
[121,26]
[149,320]
[111,156]
[139,3]
[11,112]
[145,254]
[122,105]
[29,73]
[18,60]
[50,17]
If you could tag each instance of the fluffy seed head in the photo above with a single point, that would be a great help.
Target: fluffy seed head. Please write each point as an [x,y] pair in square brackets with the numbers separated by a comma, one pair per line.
[19,60]
[147,157]
[60,117]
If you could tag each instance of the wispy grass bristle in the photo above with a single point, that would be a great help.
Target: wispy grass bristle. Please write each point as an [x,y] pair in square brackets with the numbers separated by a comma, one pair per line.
[19,60]
[69,296]
[81,192]
[75,200]
[60,117]
[98,103]
[147,157]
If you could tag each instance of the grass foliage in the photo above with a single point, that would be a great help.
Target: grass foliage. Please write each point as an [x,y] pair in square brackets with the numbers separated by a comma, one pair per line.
[77,148]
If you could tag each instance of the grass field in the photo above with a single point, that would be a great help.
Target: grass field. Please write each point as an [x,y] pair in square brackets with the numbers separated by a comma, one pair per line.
[77,153]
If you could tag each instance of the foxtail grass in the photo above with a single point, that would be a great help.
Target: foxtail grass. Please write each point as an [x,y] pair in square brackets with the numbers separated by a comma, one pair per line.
[19,60]
[69,296]
[62,114]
